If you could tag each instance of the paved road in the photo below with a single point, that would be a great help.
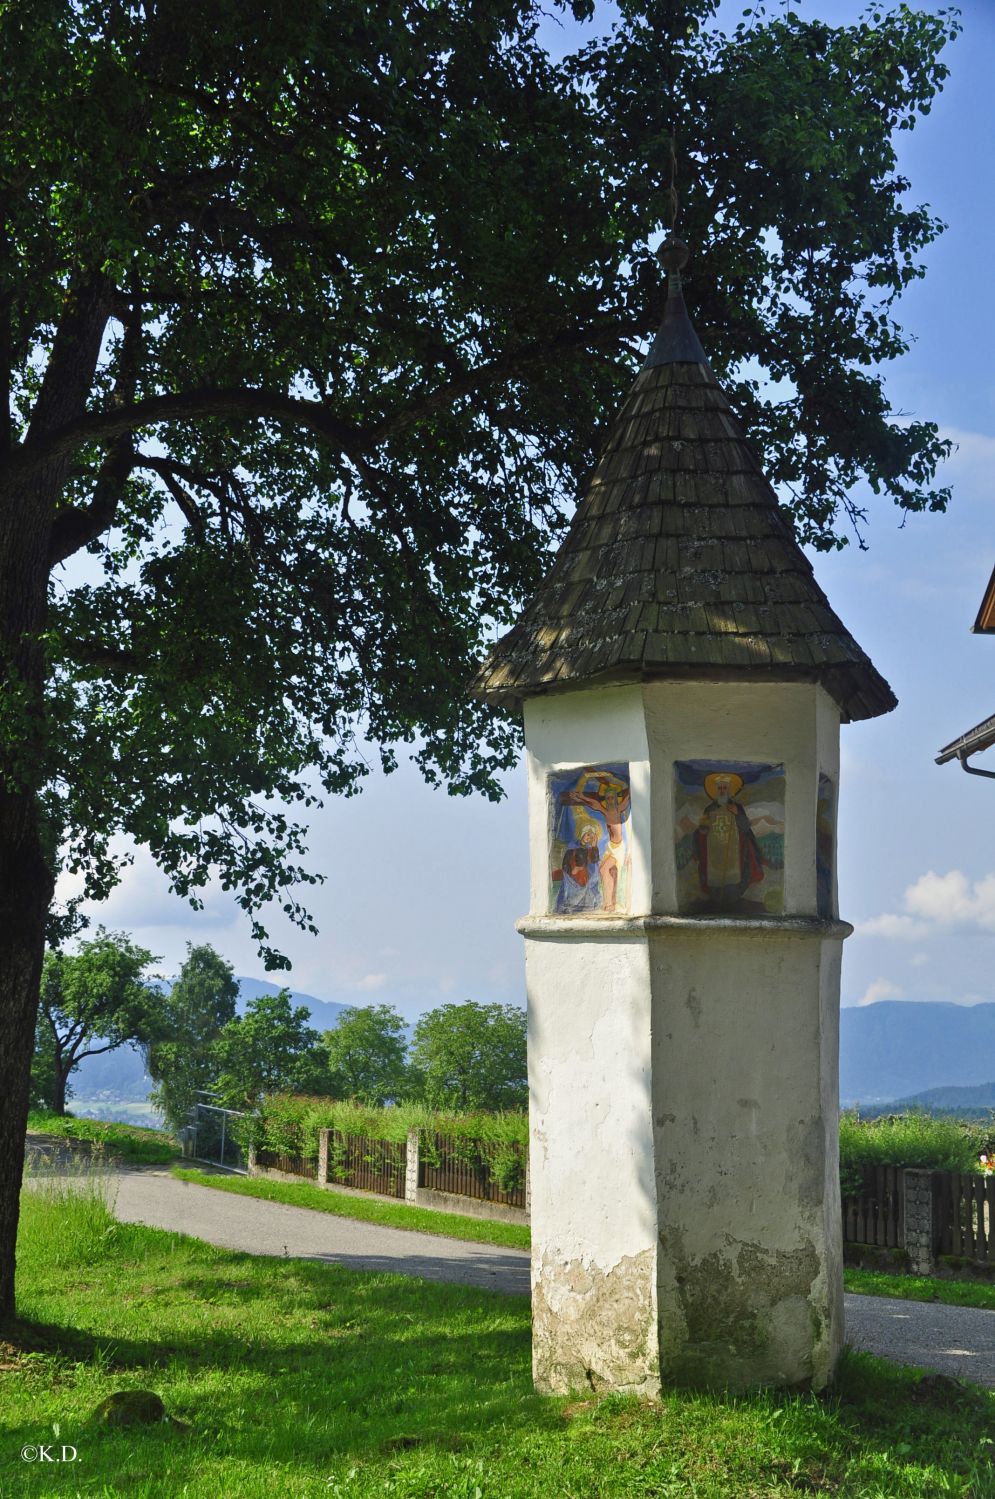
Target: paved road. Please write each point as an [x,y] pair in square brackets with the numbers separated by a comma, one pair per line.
[953,1340]
[956,1340]
[259,1227]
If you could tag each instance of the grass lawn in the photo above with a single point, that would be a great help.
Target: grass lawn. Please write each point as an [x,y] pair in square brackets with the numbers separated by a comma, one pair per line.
[128,1142]
[920,1288]
[299,1379]
[369,1210]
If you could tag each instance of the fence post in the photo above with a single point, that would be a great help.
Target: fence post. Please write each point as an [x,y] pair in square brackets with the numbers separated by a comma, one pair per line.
[251,1161]
[411,1168]
[323,1157]
[528,1190]
[917,1187]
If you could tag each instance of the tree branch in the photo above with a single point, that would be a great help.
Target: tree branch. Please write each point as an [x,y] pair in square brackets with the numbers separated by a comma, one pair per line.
[105,426]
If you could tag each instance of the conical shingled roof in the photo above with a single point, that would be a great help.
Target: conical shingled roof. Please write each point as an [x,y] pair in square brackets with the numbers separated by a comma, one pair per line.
[679,561]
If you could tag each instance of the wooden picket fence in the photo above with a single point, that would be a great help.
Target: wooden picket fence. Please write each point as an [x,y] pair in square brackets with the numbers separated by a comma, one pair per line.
[875,1214]
[443,1167]
[292,1165]
[964,1215]
[369,1165]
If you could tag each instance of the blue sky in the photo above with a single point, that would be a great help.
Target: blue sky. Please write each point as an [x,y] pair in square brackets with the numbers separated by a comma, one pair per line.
[916,851]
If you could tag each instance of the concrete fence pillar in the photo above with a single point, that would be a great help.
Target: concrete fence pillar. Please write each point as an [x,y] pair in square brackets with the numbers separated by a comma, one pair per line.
[917,1187]
[251,1160]
[323,1157]
[411,1168]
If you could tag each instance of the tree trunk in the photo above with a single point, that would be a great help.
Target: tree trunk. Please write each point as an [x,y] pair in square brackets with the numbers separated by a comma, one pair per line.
[59,1091]
[28,501]
[25,892]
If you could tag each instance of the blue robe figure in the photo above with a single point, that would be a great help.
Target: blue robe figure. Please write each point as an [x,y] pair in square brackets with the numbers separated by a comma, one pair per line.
[580,876]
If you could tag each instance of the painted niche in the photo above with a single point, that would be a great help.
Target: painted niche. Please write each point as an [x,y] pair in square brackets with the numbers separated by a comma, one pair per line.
[590,840]
[729,832]
[825,846]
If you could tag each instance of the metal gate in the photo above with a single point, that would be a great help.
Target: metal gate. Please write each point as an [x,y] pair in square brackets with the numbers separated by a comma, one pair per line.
[209,1136]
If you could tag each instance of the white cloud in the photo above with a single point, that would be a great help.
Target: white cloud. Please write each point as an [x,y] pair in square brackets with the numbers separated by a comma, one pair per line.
[919,958]
[953,900]
[889,925]
[938,903]
[369,982]
[880,989]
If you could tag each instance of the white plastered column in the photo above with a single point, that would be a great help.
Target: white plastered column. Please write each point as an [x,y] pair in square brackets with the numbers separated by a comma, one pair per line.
[685,1209]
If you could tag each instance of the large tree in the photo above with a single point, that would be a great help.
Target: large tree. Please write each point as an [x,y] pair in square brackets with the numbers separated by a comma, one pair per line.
[367,1055]
[199,1005]
[92,1001]
[310,318]
[269,1049]
[472,1056]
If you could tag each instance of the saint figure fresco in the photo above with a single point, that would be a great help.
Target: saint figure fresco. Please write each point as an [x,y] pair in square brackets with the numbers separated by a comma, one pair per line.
[589,853]
[729,830]
[825,846]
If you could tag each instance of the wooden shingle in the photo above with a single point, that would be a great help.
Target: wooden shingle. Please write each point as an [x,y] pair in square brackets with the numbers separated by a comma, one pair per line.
[679,560]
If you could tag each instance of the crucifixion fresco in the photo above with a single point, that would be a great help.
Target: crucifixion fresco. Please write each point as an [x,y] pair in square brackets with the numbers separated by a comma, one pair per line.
[589,848]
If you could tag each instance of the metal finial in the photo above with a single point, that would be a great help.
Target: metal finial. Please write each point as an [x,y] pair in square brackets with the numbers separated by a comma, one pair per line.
[673,256]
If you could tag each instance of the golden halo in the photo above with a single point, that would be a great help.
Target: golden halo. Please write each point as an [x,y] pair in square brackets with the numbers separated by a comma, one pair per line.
[711,783]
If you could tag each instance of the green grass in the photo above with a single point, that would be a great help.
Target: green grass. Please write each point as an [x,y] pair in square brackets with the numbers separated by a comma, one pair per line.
[936,1144]
[920,1288]
[369,1210]
[300,1379]
[128,1142]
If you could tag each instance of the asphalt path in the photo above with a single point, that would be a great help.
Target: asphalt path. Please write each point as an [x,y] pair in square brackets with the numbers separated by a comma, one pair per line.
[258,1227]
[953,1340]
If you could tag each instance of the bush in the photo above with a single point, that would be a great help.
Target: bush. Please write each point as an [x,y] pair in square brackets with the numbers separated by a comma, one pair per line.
[288,1124]
[920,1140]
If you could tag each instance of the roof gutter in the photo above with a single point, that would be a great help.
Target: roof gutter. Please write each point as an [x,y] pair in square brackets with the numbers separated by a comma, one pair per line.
[981,737]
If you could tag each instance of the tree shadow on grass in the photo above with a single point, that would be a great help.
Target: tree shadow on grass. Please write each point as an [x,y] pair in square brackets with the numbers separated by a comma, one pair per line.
[347,1365]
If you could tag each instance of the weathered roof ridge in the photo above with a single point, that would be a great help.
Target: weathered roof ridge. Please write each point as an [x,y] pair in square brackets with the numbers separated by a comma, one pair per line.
[679,561]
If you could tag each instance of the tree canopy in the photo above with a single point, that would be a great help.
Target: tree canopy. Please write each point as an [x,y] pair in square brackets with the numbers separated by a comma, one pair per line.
[92,1001]
[367,1055]
[472,1056]
[311,317]
[317,317]
[193,1014]
[269,1049]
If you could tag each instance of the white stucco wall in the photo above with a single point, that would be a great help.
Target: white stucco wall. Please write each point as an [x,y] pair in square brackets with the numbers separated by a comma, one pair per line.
[682,1073]
[594,1215]
[744,1057]
[789,723]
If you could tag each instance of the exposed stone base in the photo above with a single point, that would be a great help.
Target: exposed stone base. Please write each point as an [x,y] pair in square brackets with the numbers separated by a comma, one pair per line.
[595,1329]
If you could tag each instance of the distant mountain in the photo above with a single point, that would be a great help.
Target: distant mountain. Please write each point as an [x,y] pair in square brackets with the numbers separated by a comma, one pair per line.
[898,1049]
[120,1076]
[962,1102]
[324,1012]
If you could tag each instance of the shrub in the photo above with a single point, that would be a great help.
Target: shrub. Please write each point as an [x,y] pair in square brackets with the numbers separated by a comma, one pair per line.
[921,1140]
[288,1124]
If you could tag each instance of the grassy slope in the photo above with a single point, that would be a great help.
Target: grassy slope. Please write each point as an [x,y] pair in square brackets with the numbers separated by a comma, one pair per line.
[369,1210]
[130,1142]
[300,1379]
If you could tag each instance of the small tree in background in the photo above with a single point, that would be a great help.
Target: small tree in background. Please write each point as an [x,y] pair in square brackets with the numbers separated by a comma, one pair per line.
[367,1055]
[92,1001]
[472,1056]
[271,1049]
[196,1010]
